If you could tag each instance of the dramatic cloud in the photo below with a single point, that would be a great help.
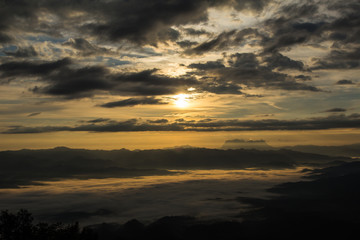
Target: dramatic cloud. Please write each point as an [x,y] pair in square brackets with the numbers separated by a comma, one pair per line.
[336,110]
[63,79]
[288,30]
[158,73]
[130,102]
[33,114]
[145,53]
[85,47]
[98,120]
[134,125]
[138,21]
[149,22]
[308,25]
[186,43]
[4,38]
[158,121]
[344,82]
[195,32]
[208,65]
[30,69]
[224,40]
[23,52]
[281,62]
[246,69]
[339,59]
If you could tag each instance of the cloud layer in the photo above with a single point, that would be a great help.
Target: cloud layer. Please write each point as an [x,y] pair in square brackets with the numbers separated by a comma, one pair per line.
[134,125]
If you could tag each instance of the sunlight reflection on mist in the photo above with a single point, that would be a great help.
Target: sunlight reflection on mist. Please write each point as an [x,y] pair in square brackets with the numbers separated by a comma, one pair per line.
[119,184]
[200,193]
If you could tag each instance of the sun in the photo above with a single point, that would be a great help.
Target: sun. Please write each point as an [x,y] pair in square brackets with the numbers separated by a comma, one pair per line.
[181,100]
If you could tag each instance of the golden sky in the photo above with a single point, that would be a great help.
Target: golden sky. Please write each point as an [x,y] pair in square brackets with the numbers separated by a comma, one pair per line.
[152,74]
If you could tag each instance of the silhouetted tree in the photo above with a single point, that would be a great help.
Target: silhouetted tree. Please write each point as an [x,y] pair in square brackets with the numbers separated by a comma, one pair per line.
[20,226]
[16,226]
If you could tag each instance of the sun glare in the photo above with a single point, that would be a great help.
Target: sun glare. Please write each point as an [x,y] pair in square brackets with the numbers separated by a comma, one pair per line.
[181,101]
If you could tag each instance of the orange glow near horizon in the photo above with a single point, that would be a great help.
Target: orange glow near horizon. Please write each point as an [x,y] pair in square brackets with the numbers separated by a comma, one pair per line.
[156,140]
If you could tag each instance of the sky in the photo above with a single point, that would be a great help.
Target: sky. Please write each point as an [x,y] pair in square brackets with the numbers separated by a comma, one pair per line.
[138,74]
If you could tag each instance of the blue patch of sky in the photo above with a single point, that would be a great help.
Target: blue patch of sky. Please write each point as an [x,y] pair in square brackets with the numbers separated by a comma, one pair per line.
[116,62]
[7,101]
[46,39]
[151,52]
[111,62]
[10,48]
[132,55]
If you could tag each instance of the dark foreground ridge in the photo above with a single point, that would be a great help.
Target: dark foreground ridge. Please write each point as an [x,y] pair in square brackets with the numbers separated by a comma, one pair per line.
[324,205]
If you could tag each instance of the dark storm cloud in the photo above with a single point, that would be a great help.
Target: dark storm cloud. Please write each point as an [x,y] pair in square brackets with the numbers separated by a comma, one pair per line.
[130,102]
[131,125]
[23,52]
[76,83]
[217,43]
[345,34]
[339,59]
[310,25]
[303,77]
[335,110]
[345,29]
[27,68]
[307,24]
[336,121]
[85,47]
[247,69]
[4,38]
[134,125]
[291,29]
[344,82]
[148,83]
[251,5]
[290,36]
[207,65]
[150,22]
[168,34]
[98,120]
[216,86]
[64,79]
[281,62]
[33,114]
[195,32]
[224,40]
[139,21]
[186,43]
[158,121]
[146,21]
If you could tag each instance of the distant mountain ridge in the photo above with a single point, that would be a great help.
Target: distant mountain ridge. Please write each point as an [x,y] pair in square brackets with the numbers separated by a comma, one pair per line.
[351,150]
[25,167]
[246,144]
